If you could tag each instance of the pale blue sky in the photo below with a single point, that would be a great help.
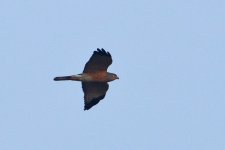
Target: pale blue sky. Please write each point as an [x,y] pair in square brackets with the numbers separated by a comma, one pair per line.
[169,55]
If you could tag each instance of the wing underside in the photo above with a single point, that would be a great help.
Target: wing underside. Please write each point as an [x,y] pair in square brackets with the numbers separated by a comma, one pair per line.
[99,61]
[93,93]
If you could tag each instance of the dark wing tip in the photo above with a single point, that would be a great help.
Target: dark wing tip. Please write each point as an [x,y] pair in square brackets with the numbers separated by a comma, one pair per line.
[102,52]
[109,54]
[93,102]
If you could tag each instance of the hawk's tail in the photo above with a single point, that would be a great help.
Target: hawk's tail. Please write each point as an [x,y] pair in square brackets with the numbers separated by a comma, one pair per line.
[63,78]
[73,77]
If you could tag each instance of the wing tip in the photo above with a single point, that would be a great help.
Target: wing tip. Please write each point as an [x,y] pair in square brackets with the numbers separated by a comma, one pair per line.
[93,102]
[102,52]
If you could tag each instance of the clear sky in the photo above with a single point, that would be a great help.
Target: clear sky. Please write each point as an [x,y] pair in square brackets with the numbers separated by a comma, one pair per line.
[169,55]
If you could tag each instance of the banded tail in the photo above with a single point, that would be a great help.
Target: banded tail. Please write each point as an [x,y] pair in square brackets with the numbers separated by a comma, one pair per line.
[62,78]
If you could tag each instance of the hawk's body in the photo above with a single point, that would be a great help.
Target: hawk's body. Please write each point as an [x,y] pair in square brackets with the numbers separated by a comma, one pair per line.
[94,77]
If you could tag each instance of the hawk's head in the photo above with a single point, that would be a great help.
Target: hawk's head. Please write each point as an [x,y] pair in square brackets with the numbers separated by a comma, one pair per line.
[112,76]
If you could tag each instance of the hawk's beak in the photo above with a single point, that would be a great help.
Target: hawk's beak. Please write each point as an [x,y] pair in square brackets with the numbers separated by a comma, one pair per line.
[117,78]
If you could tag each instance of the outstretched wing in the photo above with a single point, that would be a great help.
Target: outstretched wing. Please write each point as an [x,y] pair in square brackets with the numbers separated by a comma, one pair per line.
[99,61]
[93,93]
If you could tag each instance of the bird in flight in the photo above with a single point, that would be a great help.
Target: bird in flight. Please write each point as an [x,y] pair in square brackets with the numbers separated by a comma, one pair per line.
[94,78]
